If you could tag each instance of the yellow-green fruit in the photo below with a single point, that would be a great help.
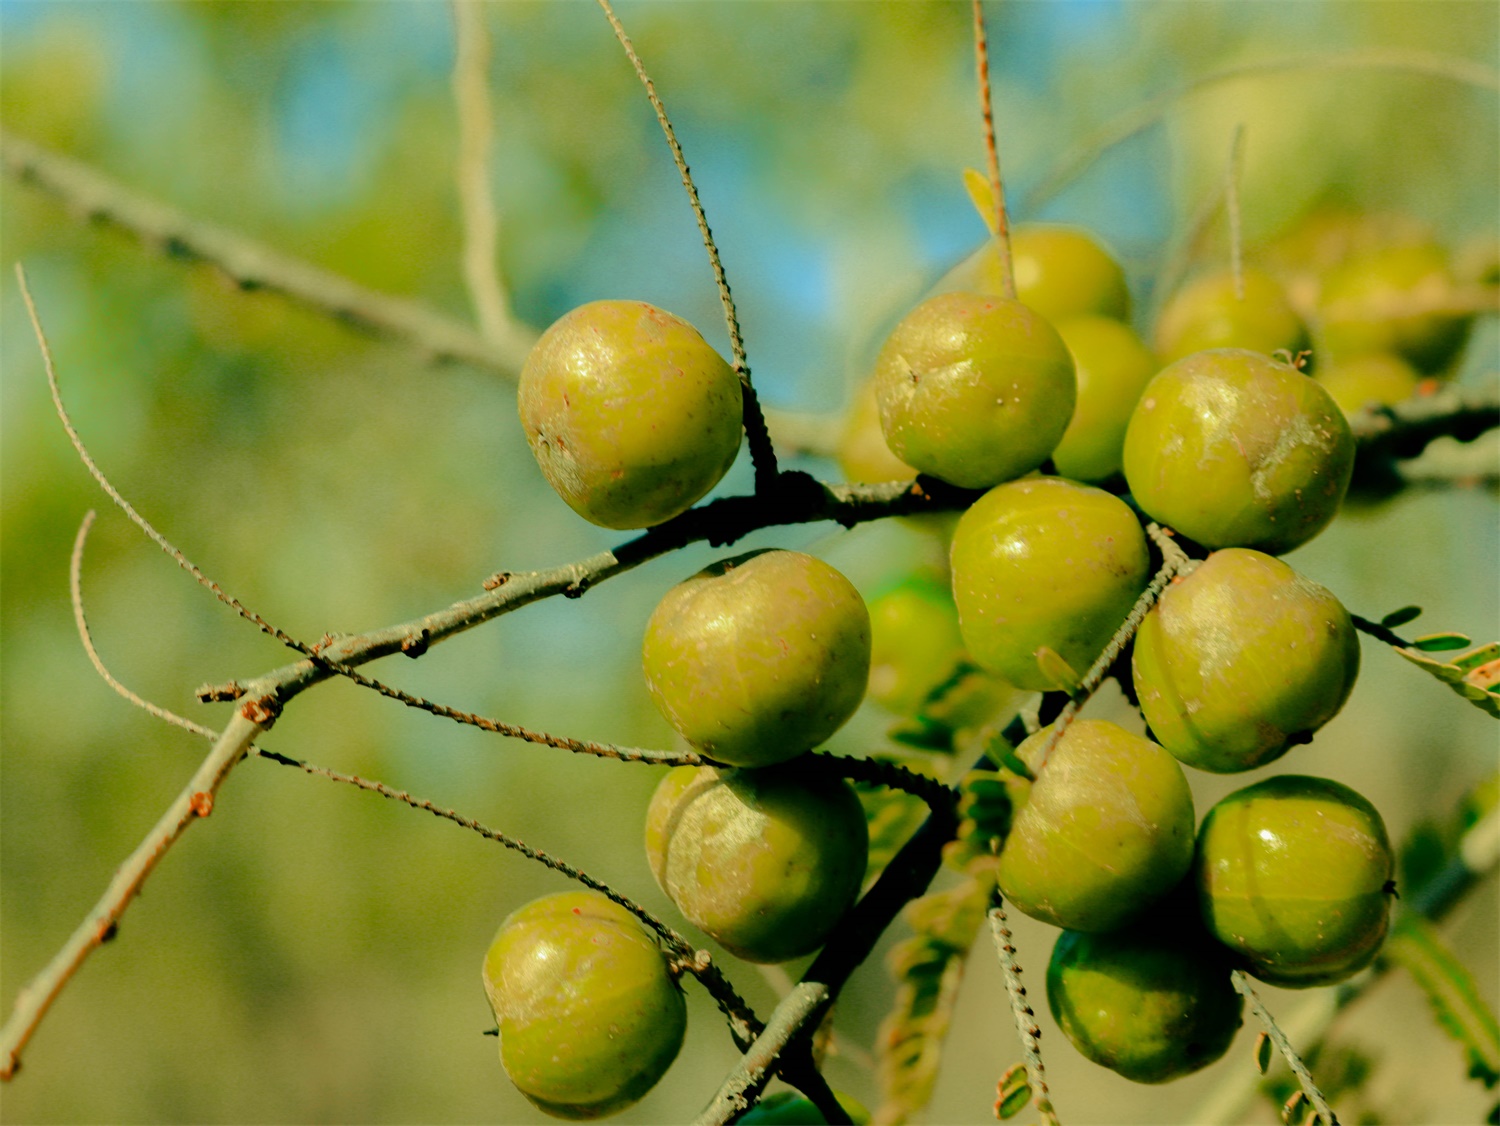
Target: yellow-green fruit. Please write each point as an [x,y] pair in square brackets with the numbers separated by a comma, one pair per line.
[915,644]
[1241,658]
[630,414]
[1045,564]
[590,1016]
[1059,271]
[862,453]
[1293,873]
[1207,314]
[786,1109]
[1377,377]
[1235,449]
[760,657]
[1394,299]
[1152,1001]
[974,390]
[1113,367]
[1107,830]
[763,861]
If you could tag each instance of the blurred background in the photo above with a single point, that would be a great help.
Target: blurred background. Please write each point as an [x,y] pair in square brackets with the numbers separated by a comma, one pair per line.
[312,953]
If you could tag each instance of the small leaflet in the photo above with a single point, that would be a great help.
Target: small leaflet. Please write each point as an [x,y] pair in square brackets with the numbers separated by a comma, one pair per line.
[1441,642]
[1013,1092]
[1474,675]
[1263,1049]
[982,195]
[1397,618]
[1056,669]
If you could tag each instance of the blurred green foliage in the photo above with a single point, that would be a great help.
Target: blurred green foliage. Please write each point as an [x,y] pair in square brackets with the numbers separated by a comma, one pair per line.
[312,953]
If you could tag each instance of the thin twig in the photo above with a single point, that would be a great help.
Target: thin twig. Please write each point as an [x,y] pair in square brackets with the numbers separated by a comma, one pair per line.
[762,454]
[252,265]
[1232,173]
[992,154]
[1284,1046]
[1404,430]
[1020,1007]
[471,96]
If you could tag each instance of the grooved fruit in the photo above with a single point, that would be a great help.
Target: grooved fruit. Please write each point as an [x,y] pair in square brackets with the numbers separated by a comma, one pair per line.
[590,1017]
[631,416]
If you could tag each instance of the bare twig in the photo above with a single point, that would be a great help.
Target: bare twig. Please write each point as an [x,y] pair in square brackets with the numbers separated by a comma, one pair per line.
[1284,1046]
[761,451]
[253,265]
[1403,430]
[992,154]
[471,96]
[1020,1007]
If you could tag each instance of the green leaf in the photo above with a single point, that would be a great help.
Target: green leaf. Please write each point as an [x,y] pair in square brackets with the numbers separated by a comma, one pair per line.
[1473,676]
[1455,998]
[923,736]
[1441,642]
[1013,1094]
[891,816]
[1056,669]
[1401,617]
[982,195]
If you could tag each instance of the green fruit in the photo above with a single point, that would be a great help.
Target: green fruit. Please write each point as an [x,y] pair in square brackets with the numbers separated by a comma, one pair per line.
[1394,299]
[763,861]
[1293,873]
[1241,658]
[759,658]
[786,1109]
[915,644]
[1045,564]
[1207,314]
[1234,449]
[1108,828]
[630,414]
[974,390]
[1113,368]
[1153,1001]
[590,1015]
[862,453]
[1377,377]
[1059,271]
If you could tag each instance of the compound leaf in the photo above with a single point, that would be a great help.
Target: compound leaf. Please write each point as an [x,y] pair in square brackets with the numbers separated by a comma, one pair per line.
[1398,618]
[1455,998]
[1475,675]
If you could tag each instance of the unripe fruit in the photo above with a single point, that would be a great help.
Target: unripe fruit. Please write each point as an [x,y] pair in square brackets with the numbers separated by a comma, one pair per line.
[914,642]
[1113,367]
[590,1016]
[1207,314]
[862,454]
[787,1109]
[1241,658]
[1235,449]
[1045,563]
[1152,1001]
[1293,873]
[760,657]
[630,414]
[1394,299]
[1059,271]
[763,861]
[974,390]
[1377,377]
[1108,828]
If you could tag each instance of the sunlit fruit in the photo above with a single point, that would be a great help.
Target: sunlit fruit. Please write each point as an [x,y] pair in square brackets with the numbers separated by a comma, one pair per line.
[630,414]
[1209,313]
[590,1015]
[1240,659]
[974,390]
[759,658]
[1399,299]
[1045,564]
[1376,378]
[1113,367]
[1293,874]
[1108,828]
[1235,449]
[764,861]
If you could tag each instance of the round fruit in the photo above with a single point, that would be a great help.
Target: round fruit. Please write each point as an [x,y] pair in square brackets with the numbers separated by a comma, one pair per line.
[862,454]
[1045,564]
[763,861]
[914,642]
[1108,828]
[1113,367]
[1059,271]
[630,414]
[1394,299]
[1153,1001]
[1377,377]
[1207,314]
[590,1016]
[1294,874]
[1240,659]
[786,1109]
[974,390]
[1234,449]
[760,657]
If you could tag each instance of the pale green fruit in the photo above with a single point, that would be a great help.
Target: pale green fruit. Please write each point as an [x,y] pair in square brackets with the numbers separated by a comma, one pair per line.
[763,861]
[1207,314]
[862,453]
[914,642]
[1394,299]
[974,390]
[759,658]
[1045,563]
[1376,377]
[1107,830]
[1240,657]
[1235,449]
[1059,271]
[630,414]
[590,1016]
[1113,367]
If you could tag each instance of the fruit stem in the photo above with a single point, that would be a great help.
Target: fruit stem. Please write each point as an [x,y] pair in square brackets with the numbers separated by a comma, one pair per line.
[1284,1046]
[992,153]
[1030,1034]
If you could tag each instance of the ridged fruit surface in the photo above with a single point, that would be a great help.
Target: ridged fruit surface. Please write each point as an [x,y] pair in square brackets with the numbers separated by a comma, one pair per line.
[1235,449]
[630,414]
[763,861]
[759,658]
[1239,657]
[1045,563]
[1113,367]
[1292,874]
[590,1017]
[1207,313]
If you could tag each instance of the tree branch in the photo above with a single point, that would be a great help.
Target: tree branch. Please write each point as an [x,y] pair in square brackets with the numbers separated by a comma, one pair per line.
[1403,430]
[1284,1046]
